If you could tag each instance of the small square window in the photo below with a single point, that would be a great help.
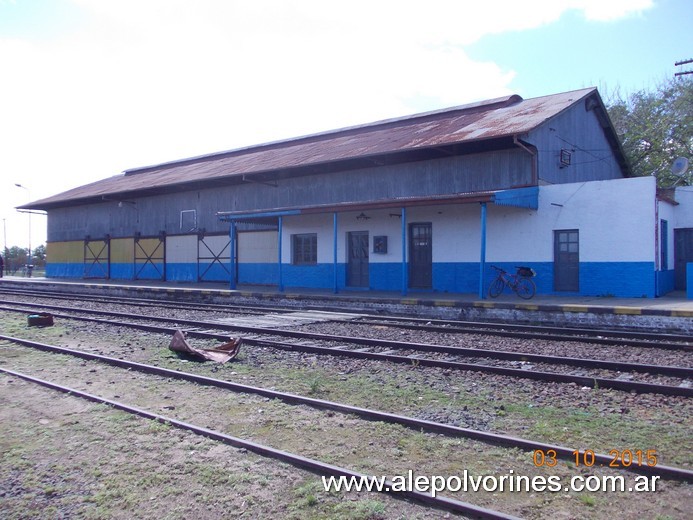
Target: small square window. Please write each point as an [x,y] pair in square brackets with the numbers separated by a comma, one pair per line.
[188,220]
[380,244]
[304,249]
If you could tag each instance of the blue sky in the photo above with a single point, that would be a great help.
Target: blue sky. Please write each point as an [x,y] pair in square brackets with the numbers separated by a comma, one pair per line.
[93,87]
[38,19]
[632,53]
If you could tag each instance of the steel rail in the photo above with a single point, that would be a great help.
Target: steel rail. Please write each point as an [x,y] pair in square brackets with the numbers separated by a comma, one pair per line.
[665,370]
[563,452]
[312,465]
[588,381]
[596,336]
[184,304]
[587,335]
[464,330]
[144,302]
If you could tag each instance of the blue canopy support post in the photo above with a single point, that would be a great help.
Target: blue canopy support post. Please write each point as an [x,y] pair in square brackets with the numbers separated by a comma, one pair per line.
[405,281]
[280,282]
[334,259]
[482,260]
[232,255]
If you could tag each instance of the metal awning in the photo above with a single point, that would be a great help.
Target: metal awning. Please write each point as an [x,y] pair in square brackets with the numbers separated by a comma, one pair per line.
[519,197]
[527,197]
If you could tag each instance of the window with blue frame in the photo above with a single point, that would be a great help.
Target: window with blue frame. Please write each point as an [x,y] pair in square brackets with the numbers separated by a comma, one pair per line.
[664,245]
[304,249]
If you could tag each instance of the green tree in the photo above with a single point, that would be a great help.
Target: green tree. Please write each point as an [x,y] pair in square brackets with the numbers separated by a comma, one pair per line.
[15,258]
[39,256]
[655,128]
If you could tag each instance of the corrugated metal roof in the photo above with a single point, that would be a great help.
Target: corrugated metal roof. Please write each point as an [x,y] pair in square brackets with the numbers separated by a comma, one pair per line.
[489,119]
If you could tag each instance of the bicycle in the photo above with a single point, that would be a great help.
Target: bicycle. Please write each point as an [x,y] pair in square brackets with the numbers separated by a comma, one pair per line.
[521,282]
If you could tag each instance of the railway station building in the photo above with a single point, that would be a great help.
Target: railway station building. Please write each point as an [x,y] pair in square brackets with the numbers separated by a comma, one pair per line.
[424,203]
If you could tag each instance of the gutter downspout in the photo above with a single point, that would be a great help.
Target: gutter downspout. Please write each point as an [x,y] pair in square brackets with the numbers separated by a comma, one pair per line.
[334,251]
[482,259]
[405,281]
[280,283]
[656,245]
[232,254]
[531,150]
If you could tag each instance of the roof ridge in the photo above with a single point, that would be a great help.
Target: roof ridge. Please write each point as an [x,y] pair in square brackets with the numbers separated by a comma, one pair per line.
[402,139]
[476,106]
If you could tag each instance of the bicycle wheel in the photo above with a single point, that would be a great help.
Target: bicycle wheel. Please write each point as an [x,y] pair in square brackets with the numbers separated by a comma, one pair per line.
[496,287]
[525,288]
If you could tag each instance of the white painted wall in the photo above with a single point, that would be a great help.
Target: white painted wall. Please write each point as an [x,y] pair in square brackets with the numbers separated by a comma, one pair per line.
[320,224]
[666,211]
[616,220]
[684,211]
[379,223]
[215,245]
[181,249]
[257,247]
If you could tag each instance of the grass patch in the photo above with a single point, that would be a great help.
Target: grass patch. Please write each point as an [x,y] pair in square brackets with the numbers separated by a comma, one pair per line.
[588,500]
[312,502]
[362,510]
[590,428]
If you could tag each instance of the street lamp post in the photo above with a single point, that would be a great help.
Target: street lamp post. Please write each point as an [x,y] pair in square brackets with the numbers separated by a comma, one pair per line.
[29,192]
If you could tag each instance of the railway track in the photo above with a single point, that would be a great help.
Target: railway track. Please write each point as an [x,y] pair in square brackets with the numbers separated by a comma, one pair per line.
[593,336]
[310,464]
[263,364]
[143,302]
[399,352]
[584,335]
[589,336]
[567,453]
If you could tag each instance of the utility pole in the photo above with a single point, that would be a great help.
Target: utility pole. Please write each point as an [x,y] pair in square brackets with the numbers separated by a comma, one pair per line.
[683,62]
[28,262]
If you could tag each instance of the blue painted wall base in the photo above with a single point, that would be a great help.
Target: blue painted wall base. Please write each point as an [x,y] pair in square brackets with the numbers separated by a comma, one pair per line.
[619,279]
[665,282]
[623,279]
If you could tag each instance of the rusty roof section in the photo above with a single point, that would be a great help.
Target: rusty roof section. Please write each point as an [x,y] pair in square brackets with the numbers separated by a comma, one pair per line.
[490,119]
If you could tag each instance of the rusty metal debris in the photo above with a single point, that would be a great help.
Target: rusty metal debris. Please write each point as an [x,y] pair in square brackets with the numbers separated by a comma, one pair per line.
[220,354]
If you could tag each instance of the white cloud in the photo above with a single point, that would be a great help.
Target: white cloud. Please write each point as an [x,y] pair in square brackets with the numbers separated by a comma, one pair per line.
[601,10]
[133,83]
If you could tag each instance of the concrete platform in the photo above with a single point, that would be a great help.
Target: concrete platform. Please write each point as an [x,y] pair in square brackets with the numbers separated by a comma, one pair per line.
[673,304]
[672,312]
